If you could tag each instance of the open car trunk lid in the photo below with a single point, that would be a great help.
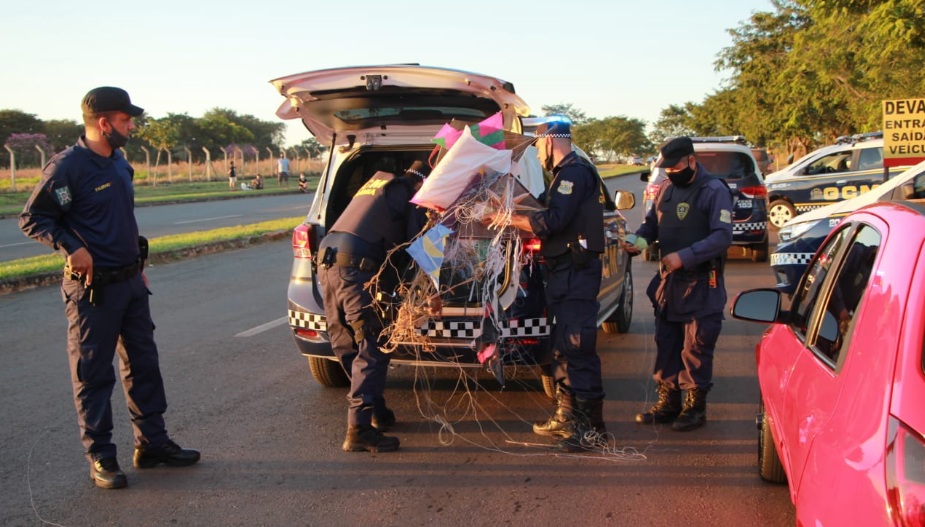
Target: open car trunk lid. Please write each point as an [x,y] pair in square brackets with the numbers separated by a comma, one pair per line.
[392,103]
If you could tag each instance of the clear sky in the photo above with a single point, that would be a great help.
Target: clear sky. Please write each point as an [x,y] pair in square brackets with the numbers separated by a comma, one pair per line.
[605,57]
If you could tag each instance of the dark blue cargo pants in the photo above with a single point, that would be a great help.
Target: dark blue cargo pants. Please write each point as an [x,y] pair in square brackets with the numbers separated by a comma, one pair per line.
[120,321]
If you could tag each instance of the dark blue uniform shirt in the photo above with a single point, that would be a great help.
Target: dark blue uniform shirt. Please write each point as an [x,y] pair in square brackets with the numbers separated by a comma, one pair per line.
[85,200]
[716,201]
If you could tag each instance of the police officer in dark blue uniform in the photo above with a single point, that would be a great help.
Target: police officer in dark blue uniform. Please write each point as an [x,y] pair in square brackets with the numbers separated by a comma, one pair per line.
[378,218]
[571,228]
[84,207]
[692,220]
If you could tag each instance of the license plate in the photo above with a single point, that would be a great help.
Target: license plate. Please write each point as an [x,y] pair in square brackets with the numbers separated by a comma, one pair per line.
[744,204]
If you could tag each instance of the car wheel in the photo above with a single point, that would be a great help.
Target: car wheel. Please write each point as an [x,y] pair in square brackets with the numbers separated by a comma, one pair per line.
[769,466]
[328,372]
[760,252]
[779,212]
[619,321]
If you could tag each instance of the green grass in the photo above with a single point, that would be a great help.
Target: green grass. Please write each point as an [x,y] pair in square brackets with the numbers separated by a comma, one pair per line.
[159,247]
[11,203]
[608,171]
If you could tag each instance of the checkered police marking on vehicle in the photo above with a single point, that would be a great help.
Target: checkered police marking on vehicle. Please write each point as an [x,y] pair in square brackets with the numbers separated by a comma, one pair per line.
[790,258]
[459,329]
[468,329]
[745,227]
[304,320]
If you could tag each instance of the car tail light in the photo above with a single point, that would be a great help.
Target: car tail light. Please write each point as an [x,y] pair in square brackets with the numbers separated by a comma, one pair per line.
[301,248]
[758,191]
[905,467]
[533,245]
[306,333]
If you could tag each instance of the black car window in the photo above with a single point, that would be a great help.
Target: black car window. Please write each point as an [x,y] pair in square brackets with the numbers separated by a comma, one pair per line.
[830,164]
[811,285]
[870,158]
[727,165]
[849,286]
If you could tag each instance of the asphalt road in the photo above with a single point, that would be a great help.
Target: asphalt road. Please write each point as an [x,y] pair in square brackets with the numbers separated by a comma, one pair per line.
[162,220]
[270,436]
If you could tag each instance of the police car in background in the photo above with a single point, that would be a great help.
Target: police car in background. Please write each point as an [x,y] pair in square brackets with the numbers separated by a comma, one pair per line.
[844,170]
[801,236]
[730,158]
[384,118]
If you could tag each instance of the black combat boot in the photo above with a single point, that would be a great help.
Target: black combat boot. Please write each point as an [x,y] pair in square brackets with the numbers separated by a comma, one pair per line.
[365,438]
[587,427]
[666,409]
[593,410]
[694,413]
[561,423]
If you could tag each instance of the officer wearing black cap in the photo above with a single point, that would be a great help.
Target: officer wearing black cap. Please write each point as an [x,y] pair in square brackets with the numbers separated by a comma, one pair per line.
[377,219]
[84,207]
[692,220]
[571,228]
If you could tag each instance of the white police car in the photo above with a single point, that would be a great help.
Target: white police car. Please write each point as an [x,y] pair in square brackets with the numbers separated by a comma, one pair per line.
[844,170]
[384,118]
[801,236]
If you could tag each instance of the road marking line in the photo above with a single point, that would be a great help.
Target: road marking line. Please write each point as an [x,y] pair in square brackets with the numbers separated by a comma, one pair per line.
[209,219]
[263,327]
[15,244]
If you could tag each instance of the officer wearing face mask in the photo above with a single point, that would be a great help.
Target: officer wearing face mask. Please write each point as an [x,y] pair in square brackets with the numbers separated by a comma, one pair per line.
[692,220]
[571,228]
[84,208]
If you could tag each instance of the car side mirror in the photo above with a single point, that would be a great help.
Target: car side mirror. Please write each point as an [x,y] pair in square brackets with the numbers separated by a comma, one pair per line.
[758,305]
[644,176]
[624,199]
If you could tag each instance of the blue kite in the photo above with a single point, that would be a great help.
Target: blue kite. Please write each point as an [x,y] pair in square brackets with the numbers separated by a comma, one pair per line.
[427,251]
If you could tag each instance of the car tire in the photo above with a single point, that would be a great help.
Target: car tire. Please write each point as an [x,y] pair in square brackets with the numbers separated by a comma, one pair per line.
[328,372]
[779,212]
[760,252]
[622,317]
[770,467]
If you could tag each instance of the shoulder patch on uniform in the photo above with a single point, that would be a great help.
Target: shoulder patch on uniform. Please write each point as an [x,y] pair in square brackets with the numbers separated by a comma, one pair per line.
[725,216]
[64,195]
[566,187]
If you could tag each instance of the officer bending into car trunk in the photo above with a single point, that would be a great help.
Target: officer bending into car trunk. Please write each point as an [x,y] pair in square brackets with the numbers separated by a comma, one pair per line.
[377,219]
[571,227]
[692,220]
[84,207]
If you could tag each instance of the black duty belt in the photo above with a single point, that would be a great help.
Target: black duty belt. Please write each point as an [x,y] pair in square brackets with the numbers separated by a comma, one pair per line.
[340,259]
[108,275]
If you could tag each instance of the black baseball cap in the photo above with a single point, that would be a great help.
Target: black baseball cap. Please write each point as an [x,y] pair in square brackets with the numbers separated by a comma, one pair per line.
[673,150]
[109,99]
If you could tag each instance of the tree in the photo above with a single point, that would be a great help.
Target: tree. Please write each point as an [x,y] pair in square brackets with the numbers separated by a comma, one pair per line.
[24,146]
[63,133]
[673,121]
[16,122]
[312,146]
[611,136]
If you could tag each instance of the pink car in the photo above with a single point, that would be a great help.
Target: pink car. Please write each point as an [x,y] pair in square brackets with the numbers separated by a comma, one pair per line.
[841,373]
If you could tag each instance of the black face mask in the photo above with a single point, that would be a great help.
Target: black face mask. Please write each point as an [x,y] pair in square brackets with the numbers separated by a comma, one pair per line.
[115,139]
[681,178]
